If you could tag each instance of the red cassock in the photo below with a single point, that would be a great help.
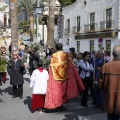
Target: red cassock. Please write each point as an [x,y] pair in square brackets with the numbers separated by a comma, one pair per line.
[59,92]
[38,101]
[3,74]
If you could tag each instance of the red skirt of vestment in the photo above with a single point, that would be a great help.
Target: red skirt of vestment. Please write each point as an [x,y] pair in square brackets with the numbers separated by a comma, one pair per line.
[38,101]
[59,92]
[3,74]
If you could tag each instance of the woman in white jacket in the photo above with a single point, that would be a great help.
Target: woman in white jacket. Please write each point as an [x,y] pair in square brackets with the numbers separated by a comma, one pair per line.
[85,75]
[38,82]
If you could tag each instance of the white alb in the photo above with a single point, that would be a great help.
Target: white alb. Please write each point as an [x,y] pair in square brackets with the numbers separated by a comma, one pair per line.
[38,81]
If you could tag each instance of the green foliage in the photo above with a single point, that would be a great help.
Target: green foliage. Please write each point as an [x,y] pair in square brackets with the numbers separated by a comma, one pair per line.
[25,5]
[24,25]
[66,2]
[3,8]
[35,46]
[3,63]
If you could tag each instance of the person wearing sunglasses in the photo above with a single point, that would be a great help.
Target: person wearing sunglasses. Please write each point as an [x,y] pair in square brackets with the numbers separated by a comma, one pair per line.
[15,70]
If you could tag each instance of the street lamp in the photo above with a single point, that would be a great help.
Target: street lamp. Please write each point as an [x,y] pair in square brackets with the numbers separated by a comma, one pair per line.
[43,22]
[38,11]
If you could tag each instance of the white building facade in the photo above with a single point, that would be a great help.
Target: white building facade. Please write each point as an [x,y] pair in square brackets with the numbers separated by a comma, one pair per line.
[4,14]
[91,24]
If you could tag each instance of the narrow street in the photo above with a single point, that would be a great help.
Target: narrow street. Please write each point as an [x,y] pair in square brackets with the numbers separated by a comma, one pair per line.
[20,109]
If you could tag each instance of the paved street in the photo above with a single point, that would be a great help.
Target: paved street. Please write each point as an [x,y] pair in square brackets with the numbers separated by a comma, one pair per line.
[20,109]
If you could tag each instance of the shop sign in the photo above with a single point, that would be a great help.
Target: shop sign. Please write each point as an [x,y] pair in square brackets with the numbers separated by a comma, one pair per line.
[95,35]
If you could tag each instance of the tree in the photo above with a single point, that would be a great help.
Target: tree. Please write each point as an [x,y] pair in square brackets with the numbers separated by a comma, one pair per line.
[66,2]
[50,27]
[28,5]
[14,22]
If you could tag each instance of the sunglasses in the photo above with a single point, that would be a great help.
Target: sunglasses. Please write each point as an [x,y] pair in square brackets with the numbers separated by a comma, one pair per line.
[3,53]
[14,54]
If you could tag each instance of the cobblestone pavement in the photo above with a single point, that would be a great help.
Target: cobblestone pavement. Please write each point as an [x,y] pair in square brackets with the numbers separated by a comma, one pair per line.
[20,109]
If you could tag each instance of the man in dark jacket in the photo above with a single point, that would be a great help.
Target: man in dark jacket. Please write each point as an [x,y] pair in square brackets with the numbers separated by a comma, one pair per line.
[34,57]
[15,70]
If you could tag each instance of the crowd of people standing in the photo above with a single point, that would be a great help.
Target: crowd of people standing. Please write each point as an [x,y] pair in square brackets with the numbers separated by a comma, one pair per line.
[68,75]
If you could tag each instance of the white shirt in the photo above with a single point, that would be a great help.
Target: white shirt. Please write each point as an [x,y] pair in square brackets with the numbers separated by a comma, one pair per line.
[38,81]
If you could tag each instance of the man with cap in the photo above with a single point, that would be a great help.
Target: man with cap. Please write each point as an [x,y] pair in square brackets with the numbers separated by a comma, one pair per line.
[15,70]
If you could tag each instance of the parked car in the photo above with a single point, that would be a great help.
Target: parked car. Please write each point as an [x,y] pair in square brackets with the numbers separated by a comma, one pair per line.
[26,40]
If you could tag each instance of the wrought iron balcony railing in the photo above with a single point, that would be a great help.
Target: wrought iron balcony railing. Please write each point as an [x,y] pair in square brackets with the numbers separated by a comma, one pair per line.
[90,27]
[106,24]
[76,29]
[66,30]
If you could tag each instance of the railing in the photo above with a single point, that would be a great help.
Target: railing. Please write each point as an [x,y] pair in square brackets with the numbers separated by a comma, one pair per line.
[106,24]
[66,30]
[90,27]
[76,29]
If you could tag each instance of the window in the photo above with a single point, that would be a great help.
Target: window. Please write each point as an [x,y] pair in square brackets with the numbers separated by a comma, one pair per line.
[56,9]
[45,20]
[78,24]
[84,3]
[92,21]
[108,18]
[56,20]
[108,45]
[78,46]
[67,42]
[68,25]
[91,45]
[46,9]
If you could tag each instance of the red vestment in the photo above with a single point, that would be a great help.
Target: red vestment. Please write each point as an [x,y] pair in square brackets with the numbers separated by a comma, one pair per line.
[60,91]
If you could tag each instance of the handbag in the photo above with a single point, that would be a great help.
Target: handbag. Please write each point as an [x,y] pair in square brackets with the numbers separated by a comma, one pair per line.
[23,70]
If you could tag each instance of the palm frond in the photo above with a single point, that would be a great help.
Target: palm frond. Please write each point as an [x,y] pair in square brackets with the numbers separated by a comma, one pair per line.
[3,8]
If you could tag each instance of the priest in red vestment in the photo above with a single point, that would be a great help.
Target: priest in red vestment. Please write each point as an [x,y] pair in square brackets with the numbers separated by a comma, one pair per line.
[64,81]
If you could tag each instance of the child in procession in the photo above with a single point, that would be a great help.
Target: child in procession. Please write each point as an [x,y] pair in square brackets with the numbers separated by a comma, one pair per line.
[38,82]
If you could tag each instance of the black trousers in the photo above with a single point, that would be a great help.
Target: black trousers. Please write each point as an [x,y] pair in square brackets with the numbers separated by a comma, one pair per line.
[88,84]
[113,117]
[18,89]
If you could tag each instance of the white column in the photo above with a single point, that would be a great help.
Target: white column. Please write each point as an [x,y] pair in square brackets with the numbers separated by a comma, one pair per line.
[38,23]
[119,23]
[37,27]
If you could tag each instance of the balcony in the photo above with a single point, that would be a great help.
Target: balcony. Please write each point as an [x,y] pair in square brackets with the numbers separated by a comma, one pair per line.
[90,27]
[76,29]
[106,25]
[66,30]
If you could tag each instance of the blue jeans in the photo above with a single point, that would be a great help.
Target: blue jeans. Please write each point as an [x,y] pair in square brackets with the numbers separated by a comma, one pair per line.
[99,94]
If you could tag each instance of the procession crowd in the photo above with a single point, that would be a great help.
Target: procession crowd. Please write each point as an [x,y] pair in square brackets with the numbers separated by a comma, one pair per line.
[66,75]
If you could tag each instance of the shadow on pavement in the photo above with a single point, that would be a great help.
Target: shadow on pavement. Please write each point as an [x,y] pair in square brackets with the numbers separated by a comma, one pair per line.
[8,90]
[28,101]
[87,111]
[76,113]
[27,79]
[1,100]
[71,117]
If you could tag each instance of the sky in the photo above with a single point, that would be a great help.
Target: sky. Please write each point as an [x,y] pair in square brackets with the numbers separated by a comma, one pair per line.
[7,1]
